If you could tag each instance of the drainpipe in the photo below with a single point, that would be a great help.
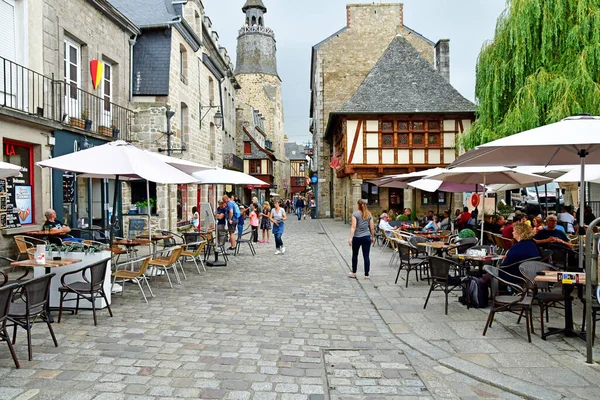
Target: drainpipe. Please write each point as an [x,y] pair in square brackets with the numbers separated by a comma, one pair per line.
[132,42]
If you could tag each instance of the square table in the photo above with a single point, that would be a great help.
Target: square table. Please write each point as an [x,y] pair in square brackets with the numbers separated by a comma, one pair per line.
[568,330]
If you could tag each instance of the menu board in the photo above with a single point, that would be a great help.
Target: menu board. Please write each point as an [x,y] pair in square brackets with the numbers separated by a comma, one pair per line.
[9,213]
[68,187]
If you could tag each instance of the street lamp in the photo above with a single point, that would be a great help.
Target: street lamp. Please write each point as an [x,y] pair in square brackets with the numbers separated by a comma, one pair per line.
[218,118]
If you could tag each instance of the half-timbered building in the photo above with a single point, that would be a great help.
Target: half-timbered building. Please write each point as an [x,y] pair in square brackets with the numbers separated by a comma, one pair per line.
[404,117]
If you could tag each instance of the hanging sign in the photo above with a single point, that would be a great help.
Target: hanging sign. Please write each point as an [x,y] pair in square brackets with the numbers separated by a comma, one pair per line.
[97,71]
[475,199]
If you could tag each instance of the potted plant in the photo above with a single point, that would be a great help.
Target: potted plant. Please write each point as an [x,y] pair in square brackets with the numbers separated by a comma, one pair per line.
[146,206]
[77,122]
[115,131]
[85,115]
[105,130]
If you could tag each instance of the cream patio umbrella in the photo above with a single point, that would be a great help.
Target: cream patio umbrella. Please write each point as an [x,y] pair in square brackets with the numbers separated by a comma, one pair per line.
[487,175]
[118,160]
[8,170]
[573,140]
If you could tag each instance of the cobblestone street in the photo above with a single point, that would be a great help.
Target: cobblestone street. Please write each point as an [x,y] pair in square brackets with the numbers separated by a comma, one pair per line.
[289,327]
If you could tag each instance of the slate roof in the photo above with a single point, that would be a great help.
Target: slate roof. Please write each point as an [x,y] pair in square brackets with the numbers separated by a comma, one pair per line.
[254,3]
[257,152]
[146,13]
[298,148]
[403,81]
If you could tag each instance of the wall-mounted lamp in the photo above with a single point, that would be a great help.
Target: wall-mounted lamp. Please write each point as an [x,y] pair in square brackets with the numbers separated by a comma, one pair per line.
[218,118]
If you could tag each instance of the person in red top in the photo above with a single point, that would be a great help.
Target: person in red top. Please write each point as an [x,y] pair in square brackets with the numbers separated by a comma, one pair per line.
[464,218]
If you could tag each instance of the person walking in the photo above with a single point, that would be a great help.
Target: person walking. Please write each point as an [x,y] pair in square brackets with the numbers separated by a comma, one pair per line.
[265,221]
[362,235]
[233,215]
[254,221]
[299,207]
[278,216]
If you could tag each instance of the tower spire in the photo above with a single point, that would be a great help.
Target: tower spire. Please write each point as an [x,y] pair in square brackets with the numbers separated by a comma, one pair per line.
[255,11]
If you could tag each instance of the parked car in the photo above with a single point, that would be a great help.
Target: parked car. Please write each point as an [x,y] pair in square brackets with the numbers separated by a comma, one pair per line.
[527,200]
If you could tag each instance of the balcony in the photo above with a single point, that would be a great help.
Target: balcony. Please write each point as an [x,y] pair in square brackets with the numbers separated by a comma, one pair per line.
[34,94]
[231,161]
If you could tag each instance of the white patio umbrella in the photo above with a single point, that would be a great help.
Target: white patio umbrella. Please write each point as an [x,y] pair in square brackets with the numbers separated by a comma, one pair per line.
[220,176]
[487,175]
[592,173]
[8,170]
[574,140]
[118,160]
[186,166]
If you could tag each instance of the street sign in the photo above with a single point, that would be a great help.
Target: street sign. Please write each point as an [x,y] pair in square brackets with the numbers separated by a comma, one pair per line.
[275,187]
[321,180]
[314,179]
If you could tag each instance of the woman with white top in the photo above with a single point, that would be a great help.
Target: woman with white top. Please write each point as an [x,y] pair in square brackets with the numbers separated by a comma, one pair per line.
[278,216]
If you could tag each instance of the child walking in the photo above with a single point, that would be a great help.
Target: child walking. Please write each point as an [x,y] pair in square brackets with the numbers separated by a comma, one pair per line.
[254,222]
[265,222]
[241,220]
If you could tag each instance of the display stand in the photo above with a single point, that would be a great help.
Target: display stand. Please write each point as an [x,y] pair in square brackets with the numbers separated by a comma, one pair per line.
[207,224]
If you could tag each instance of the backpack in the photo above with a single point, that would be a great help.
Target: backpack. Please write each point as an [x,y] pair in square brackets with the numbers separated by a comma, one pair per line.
[236,211]
[474,294]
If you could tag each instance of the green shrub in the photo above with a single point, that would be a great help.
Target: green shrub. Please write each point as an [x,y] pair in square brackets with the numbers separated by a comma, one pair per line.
[466,233]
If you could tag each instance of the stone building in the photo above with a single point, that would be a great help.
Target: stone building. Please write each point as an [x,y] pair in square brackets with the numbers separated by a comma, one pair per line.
[256,71]
[379,105]
[179,67]
[257,152]
[296,153]
[48,106]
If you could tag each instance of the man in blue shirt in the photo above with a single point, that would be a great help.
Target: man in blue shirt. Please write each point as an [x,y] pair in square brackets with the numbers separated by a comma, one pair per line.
[299,207]
[551,234]
[233,214]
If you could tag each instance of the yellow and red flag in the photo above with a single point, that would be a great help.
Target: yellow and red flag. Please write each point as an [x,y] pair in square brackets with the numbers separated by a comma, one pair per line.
[97,71]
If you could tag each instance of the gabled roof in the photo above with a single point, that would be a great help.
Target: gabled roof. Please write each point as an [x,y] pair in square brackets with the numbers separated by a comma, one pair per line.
[403,81]
[147,12]
[258,152]
[254,4]
[294,151]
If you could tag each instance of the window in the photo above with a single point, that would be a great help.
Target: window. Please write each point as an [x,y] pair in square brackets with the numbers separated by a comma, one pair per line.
[403,140]
[211,91]
[247,148]
[182,203]
[255,167]
[433,198]
[418,139]
[139,193]
[183,63]
[253,21]
[418,126]
[370,193]
[387,126]
[213,139]
[183,124]
[8,50]
[434,140]
[433,125]
[22,154]
[387,140]
[403,126]
[72,76]
[107,88]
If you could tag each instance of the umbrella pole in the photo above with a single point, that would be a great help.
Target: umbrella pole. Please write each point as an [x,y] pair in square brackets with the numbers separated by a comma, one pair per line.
[113,218]
[588,263]
[482,209]
[149,208]
[546,194]
[537,193]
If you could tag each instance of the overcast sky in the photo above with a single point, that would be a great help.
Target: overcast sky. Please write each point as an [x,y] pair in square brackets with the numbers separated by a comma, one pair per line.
[300,24]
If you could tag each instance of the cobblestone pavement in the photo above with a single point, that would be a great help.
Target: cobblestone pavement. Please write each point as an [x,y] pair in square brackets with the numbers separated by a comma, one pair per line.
[289,327]
[543,369]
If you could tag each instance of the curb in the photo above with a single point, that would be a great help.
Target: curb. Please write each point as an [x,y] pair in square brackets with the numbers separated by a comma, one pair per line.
[475,371]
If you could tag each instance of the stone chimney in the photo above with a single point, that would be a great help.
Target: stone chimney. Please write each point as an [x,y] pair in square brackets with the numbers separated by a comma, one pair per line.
[442,58]
[372,16]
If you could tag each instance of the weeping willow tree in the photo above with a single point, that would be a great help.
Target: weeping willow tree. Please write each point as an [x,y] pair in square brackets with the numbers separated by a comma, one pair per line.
[543,65]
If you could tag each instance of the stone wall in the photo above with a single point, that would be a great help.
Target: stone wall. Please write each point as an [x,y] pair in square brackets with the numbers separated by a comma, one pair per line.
[341,64]
[263,92]
[100,39]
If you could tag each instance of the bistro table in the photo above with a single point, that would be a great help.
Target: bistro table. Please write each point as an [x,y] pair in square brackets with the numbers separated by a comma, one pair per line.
[155,239]
[47,265]
[438,246]
[554,276]
[481,260]
[129,244]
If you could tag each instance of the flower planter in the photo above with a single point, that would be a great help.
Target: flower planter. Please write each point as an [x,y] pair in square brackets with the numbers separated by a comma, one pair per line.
[105,130]
[76,122]
[86,259]
[87,124]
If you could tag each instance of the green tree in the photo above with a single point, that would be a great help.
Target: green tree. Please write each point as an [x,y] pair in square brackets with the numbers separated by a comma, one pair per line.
[543,65]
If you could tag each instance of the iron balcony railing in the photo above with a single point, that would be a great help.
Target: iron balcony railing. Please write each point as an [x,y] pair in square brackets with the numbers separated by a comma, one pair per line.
[30,92]
[232,161]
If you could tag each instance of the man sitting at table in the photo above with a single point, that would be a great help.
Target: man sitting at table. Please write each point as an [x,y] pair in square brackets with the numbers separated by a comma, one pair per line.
[57,229]
[551,234]
[385,226]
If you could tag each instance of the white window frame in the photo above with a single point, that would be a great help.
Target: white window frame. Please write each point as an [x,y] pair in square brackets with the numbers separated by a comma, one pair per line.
[73,104]
[107,114]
